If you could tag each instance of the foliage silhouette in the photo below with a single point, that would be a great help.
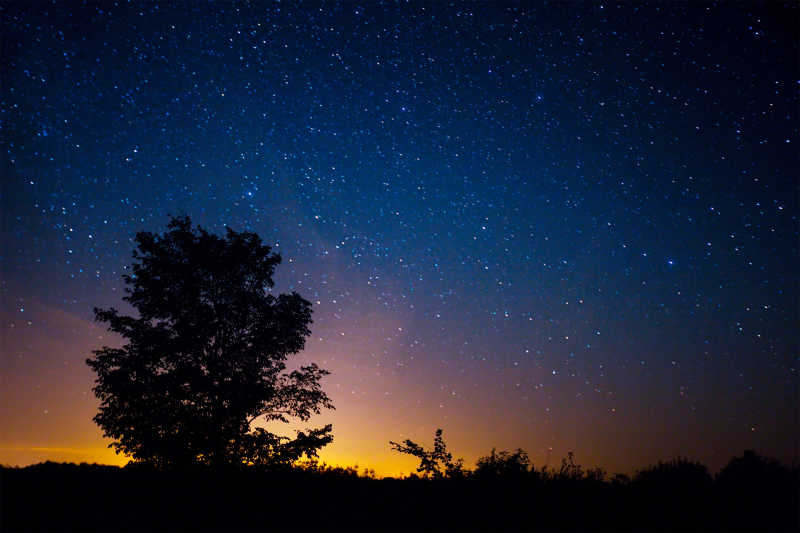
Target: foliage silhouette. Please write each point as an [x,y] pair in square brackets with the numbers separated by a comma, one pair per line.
[503,465]
[675,491]
[754,486]
[679,473]
[77,497]
[436,463]
[206,357]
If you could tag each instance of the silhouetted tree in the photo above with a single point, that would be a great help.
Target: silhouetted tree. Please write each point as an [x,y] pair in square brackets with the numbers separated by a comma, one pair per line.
[675,492]
[436,463]
[206,357]
[752,472]
[503,465]
[759,491]
[570,470]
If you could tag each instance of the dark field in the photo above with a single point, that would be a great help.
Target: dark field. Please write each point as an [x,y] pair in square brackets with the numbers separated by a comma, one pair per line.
[755,495]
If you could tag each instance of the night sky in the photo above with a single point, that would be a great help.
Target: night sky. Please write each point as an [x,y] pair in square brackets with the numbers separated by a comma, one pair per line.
[567,226]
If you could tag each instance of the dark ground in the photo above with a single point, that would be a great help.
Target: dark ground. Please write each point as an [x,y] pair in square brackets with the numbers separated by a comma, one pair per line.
[72,497]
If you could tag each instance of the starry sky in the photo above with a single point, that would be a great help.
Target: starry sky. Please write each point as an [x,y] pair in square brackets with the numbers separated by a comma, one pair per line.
[563,226]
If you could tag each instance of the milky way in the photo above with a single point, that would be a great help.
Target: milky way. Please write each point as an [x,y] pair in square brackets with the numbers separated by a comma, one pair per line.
[556,227]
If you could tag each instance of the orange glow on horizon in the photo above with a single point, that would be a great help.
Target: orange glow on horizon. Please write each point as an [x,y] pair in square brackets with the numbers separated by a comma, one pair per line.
[20,456]
[46,410]
[24,456]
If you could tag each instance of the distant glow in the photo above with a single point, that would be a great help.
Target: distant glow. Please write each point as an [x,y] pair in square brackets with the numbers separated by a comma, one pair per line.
[499,217]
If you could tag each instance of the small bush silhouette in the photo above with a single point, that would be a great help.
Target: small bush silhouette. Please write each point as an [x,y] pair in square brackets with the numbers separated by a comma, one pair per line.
[676,475]
[503,465]
[436,463]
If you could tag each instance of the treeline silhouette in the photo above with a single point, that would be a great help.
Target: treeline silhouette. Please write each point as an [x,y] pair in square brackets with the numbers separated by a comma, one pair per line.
[207,355]
[503,491]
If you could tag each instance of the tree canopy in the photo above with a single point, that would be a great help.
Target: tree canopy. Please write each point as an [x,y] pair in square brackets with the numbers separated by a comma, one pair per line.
[206,357]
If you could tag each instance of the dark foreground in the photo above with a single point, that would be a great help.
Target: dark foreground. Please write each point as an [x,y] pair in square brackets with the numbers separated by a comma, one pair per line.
[91,497]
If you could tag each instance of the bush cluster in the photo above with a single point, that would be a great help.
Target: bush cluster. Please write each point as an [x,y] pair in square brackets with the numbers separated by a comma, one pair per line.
[503,491]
